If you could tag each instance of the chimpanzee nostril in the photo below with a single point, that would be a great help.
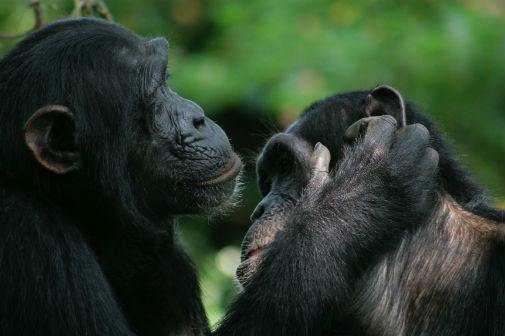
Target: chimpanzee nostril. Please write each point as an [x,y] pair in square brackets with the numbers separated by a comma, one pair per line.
[199,122]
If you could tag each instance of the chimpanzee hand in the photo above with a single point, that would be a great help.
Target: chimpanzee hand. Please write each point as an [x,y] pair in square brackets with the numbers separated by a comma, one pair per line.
[394,169]
[409,162]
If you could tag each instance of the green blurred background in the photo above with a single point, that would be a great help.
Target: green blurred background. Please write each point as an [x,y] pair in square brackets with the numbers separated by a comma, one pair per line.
[254,65]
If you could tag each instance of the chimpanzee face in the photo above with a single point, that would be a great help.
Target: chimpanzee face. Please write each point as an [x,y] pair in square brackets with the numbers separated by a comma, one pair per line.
[283,169]
[185,157]
[107,125]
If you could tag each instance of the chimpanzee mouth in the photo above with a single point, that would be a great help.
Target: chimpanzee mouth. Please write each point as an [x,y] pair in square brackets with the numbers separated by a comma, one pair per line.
[250,262]
[253,252]
[257,241]
[229,172]
[252,255]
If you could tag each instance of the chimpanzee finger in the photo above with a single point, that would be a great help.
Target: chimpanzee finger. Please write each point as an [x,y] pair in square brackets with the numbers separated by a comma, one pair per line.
[430,162]
[410,143]
[356,130]
[320,165]
[377,131]
[423,180]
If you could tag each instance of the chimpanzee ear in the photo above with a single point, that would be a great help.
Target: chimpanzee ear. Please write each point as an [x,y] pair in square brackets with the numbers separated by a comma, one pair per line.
[49,134]
[386,100]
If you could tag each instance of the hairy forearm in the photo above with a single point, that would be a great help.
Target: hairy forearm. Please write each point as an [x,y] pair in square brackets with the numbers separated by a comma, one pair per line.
[307,274]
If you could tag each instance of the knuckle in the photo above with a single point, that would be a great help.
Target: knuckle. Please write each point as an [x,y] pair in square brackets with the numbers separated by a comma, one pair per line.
[353,131]
[387,119]
[385,123]
[364,124]
[420,132]
[432,156]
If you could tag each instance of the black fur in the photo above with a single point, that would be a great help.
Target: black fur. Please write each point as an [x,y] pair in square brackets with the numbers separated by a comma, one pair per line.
[87,209]
[384,245]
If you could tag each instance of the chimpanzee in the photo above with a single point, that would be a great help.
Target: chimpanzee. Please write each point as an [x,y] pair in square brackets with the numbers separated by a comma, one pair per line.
[97,157]
[396,239]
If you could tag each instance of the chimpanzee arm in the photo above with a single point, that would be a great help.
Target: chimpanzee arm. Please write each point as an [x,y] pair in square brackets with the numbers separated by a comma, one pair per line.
[50,282]
[344,220]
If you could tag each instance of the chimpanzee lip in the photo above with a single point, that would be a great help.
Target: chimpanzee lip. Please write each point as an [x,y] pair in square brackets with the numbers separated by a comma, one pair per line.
[254,247]
[253,252]
[231,171]
[249,264]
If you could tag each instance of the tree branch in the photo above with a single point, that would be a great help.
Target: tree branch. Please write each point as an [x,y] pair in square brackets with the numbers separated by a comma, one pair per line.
[89,7]
[81,8]
[39,20]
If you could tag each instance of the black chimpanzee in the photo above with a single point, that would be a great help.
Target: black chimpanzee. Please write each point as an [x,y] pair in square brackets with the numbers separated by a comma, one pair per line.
[384,244]
[97,156]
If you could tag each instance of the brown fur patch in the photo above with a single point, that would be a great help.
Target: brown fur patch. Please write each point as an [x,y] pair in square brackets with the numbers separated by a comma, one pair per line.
[429,282]
[461,221]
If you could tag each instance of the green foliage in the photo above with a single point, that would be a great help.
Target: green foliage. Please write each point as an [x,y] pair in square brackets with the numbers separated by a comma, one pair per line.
[268,59]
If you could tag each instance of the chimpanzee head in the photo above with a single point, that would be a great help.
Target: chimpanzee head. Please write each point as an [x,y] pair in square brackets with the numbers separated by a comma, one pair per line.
[87,118]
[284,165]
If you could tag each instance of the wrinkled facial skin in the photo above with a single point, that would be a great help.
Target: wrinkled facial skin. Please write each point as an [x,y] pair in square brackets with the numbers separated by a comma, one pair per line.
[184,157]
[283,170]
